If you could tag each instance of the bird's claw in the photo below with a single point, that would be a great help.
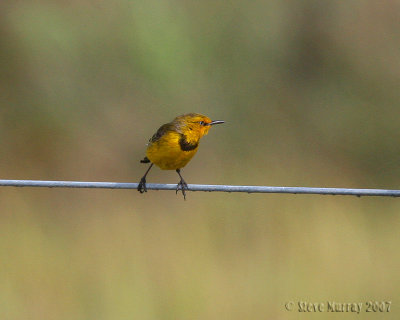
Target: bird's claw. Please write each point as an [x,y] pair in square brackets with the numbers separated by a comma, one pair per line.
[182,185]
[142,185]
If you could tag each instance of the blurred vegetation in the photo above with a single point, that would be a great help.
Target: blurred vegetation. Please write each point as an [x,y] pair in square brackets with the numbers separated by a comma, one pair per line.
[310,94]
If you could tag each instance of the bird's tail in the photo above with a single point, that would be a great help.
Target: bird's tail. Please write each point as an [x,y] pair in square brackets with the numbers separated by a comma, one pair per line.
[145,160]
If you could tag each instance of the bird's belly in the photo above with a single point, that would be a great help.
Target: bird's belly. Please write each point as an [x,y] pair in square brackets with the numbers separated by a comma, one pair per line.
[169,157]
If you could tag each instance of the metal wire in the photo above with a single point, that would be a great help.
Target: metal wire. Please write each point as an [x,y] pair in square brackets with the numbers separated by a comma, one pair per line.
[202,187]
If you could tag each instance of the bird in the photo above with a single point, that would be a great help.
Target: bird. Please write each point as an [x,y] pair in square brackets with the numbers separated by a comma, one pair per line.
[174,145]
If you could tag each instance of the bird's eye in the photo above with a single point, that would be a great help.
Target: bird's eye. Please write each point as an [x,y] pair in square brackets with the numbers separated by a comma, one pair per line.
[201,123]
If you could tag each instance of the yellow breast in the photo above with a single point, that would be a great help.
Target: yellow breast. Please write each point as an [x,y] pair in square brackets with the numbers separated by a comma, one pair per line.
[167,153]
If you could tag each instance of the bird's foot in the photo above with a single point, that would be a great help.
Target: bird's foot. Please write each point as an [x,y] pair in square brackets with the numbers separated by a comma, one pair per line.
[182,185]
[142,185]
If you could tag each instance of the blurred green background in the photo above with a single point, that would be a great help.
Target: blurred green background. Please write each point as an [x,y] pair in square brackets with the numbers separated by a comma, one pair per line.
[310,94]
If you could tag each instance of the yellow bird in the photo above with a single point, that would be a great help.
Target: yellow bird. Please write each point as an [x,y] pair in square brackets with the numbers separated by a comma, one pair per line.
[174,145]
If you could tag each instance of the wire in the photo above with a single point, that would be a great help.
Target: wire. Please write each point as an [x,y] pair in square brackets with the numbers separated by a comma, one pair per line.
[202,187]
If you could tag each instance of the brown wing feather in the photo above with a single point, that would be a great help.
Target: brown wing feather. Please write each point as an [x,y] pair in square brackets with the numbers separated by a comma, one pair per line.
[162,131]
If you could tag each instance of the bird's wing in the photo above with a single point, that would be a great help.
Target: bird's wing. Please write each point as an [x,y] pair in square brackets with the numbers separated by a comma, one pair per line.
[162,131]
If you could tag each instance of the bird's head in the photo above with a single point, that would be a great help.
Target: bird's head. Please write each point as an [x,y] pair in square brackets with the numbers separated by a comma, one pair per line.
[196,123]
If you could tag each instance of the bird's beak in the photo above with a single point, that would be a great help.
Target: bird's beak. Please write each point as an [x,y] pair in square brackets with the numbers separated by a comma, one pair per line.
[216,122]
